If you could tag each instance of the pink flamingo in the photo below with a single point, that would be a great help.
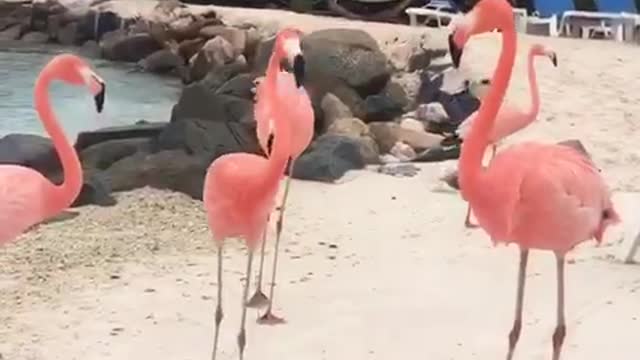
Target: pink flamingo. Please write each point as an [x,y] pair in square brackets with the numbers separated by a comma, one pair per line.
[511,119]
[28,197]
[539,196]
[299,106]
[240,188]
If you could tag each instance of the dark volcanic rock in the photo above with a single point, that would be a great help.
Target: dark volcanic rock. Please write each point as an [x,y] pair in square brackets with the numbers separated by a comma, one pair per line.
[171,169]
[207,139]
[140,130]
[328,158]
[32,151]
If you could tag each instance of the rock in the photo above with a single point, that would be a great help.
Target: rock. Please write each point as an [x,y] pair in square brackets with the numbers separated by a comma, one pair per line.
[240,86]
[68,34]
[11,33]
[103,154]
[394,91]
[412,124]
[161,61]
[190,47]
[213,54]
[186,28]
[345,55]
[35,37]
[131,48]
[387,134]
[458,106]
[351,126]
[358,131]
[328,158]
[432,112]
[95,191]
[88,29]
[201,100]
[411,56]
[403,152]
[333,108]
[381,107]
[236,37]
[172,169]
[91,49]
[207,139]
[32,151]
[141,130]
[439,153]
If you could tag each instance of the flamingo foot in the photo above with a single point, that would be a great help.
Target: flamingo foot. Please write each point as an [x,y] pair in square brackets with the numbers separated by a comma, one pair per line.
[469,225]
[269,319]
[258,300]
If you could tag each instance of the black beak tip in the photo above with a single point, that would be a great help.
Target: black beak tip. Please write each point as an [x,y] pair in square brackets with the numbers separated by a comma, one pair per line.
[299,69]
[455,52]
[99,98]
[554,60]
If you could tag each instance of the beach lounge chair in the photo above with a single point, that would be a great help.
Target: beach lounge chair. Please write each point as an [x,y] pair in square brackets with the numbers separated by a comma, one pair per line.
[433,9]
[610,20]
[547,13]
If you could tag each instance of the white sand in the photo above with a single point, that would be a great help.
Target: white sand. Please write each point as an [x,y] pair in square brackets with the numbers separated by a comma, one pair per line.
[407,279]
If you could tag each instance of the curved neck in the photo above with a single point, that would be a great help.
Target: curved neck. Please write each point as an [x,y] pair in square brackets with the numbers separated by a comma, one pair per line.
[66,192]
[280,148]
[534,107]
[476,142]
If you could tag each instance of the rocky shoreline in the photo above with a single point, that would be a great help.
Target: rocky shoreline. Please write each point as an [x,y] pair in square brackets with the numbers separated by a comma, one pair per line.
[366,110]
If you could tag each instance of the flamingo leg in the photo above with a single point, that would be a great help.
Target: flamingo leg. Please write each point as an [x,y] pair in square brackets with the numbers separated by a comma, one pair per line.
[633,250]
[514,334]
[561,328]
[259,299]
[269,317]
[219,315]
[467,220]
[242,335]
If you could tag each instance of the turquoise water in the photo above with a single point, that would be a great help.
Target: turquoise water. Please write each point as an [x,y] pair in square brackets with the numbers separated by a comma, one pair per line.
[130,95]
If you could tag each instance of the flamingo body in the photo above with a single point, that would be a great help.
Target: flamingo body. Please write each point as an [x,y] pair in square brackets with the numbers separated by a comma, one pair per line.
[237,203]
[575,207]
[25,195]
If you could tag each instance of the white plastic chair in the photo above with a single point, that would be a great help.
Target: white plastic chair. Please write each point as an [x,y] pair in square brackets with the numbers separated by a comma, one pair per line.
[434,9]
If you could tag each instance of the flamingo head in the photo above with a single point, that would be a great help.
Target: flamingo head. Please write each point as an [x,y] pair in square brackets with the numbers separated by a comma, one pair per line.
[288,48]
[541,50]
[485,16]
[74,70]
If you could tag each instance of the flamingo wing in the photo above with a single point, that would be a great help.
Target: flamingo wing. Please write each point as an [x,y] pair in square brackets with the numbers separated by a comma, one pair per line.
[23,198]
[557,197]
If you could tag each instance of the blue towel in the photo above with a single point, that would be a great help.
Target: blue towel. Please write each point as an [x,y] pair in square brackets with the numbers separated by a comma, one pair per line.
[546,8]
[616,5]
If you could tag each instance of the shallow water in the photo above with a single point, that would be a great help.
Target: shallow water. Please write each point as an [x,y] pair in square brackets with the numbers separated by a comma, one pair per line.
[130,95]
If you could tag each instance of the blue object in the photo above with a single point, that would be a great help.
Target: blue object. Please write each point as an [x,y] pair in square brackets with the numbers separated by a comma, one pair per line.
[616,6]
[547,8]
[442,4]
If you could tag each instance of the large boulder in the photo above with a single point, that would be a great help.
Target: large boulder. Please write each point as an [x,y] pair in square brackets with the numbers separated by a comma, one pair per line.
[32,151]
[170,169]
[204,100]
[207,139]
[140,130]
[328,158]
[130,48]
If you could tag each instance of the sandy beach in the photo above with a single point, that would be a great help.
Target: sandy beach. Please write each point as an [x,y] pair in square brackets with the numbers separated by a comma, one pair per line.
[374,267]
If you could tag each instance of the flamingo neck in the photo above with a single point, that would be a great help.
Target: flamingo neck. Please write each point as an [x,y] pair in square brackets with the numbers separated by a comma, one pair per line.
[476,142]
[534,108]
[66,192]
[281,146]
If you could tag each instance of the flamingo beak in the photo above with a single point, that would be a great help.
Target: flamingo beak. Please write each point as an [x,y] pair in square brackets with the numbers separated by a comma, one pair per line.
[454,51]
[99,96]
[298,69]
